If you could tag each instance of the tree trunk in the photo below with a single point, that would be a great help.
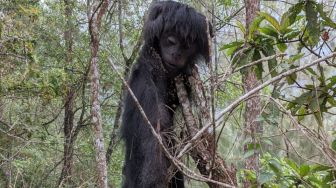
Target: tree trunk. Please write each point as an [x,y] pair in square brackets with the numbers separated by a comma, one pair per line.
[68,123]
[96,13]
[253,106]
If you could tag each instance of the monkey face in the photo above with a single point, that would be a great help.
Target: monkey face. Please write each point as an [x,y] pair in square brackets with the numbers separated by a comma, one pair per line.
[175,53]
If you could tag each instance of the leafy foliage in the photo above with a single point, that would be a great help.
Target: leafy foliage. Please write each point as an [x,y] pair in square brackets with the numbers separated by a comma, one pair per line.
[283,172]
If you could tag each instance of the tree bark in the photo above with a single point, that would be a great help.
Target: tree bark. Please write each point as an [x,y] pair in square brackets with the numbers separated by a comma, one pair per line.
[68,123]
[253,105]
[98,9]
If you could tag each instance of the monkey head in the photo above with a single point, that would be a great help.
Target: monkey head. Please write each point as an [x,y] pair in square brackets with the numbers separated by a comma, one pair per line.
[179,34]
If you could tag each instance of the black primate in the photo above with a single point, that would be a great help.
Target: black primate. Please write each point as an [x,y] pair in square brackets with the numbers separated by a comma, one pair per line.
[175,36]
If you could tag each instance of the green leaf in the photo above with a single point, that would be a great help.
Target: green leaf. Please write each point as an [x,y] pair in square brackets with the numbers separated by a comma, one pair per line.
[292,164]
[332,82]
[235,45]
[315,180]
[291,78]
[319,119]
[311,71]
[291,35]
[314,106]
[270,31]
[296,57]
[250,175]
[301,112]
[289,17]
[268,50]
[265,177]
[303,98]
[232,47]
[328,21]
[271,20]
[241,27]
[275,166]
[312,23]
[282,46]
[231,51]
[304,170]
[319,168]
[259,68]
[291,105]
[254,26]
[225,2]
[331,101]
[253,146]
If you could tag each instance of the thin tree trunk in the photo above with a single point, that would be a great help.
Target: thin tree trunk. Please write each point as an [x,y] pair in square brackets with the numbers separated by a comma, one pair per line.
[253,106]
[3,170]
[68,123]
[128,62]
[116,125]
[96,13]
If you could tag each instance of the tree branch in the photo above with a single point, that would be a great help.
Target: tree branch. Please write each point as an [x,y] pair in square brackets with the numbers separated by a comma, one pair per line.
[247,95]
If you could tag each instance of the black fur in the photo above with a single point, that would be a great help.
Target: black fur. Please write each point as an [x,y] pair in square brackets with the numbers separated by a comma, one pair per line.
[175,35]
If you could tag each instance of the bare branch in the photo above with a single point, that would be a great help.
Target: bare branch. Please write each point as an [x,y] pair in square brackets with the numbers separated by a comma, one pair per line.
[259,61]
